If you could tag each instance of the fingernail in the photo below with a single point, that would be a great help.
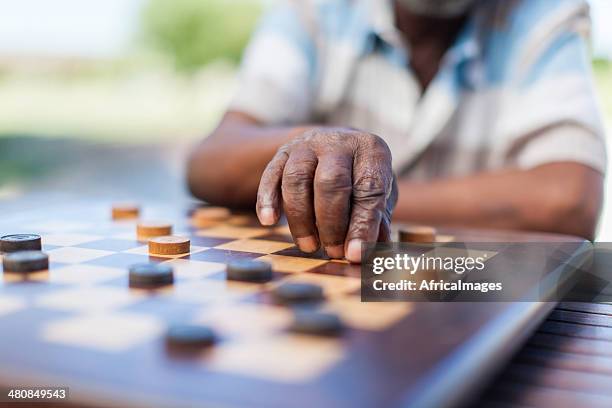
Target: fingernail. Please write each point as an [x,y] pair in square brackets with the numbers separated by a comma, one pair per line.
[336,252]
[308,244]
[353,251]
[266,216]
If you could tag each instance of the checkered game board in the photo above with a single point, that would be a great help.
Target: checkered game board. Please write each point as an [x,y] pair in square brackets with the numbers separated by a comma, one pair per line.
[79,324]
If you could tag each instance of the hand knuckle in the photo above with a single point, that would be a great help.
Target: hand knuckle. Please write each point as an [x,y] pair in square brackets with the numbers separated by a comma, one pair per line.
[273,169]
[334,180]
[375,143]
[296,179]
[312,134]
[370,185]
[364,221]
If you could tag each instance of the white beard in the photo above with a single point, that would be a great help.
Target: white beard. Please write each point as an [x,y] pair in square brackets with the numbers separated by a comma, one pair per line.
[438,8]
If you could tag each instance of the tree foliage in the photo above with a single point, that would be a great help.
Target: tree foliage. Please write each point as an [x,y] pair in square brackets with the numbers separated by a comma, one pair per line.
[196,32]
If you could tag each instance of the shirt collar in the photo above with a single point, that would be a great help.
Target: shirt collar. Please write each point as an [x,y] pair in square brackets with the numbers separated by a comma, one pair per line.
[381,20]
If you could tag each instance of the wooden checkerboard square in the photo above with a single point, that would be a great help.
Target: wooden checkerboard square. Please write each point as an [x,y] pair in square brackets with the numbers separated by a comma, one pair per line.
[73,255]
[246,319]
[268,358]
[109,333]
[88,299]
[373,316]
[292,264]
[260,246]
[333,286]
[194,270]
[11,304]
[69,239]
[230,231]
[84,274]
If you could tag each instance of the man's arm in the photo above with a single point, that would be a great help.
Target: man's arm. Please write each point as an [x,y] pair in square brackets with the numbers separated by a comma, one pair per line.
[560,197]
[226,168]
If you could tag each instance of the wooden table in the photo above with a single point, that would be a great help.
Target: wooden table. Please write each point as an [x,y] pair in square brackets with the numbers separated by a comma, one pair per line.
[567,362]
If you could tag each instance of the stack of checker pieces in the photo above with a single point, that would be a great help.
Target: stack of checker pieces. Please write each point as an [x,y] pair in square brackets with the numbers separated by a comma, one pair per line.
[23,253]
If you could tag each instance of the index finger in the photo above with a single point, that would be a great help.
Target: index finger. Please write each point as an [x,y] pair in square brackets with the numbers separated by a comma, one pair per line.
[268,194]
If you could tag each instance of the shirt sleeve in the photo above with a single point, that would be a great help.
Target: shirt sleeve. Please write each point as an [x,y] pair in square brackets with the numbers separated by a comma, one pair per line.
[278,68]
[551,112]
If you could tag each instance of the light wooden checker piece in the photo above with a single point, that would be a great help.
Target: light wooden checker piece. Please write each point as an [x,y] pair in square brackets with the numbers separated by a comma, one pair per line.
[125,211]
[151,229]
[422,234]
[211,213]
[169,245]
[209,216]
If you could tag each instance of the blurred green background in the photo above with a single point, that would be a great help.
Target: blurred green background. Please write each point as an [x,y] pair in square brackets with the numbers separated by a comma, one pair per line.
[195,33]
[173,77]
[135,72]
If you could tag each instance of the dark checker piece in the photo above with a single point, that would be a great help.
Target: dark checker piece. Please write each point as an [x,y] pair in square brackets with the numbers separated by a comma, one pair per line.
[25,261]
[249,271]
[20,242]
[297,292]
[318,323]
[190,336]
[150,275]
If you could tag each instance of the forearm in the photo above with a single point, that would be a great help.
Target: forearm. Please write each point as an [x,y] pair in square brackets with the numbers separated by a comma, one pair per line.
[225,168]
[562,198]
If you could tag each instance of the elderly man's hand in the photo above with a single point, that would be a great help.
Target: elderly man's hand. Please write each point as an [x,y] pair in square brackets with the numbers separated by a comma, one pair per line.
[337,190]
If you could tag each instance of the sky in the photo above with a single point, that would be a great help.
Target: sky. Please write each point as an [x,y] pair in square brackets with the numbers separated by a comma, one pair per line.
[601,11]
[90,28]
[106,28]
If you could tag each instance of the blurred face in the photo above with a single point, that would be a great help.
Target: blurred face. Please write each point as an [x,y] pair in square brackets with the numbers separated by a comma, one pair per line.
[437,8]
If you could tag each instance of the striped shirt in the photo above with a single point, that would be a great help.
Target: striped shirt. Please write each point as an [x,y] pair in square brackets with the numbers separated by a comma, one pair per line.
[515,90]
